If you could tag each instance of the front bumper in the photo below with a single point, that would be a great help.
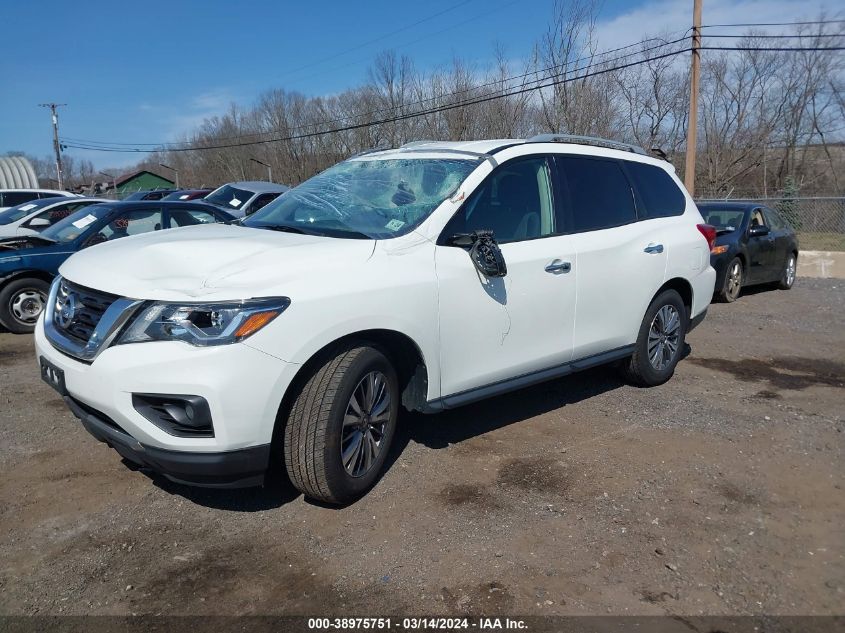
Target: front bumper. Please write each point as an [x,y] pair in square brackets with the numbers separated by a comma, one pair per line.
[232,469]
[242,386]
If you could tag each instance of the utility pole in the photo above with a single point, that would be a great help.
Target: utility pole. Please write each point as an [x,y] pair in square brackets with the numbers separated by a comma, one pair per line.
[56,145]
[269,169]
[175,171]
[692,123]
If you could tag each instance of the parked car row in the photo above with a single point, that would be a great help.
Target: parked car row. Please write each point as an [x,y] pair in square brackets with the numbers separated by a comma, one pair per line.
[31,258]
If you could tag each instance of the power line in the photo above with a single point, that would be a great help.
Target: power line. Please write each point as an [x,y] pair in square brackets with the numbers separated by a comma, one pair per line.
[93,146]
[407,116]
[746,24]
[662,44]
[472,19]
[774,37]
[773,49]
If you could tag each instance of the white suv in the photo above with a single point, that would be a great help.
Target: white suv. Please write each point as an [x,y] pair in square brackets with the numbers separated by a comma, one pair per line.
[427,276]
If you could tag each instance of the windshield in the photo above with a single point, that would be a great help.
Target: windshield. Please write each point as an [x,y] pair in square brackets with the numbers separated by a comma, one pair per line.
[723,219]
[374,199]
[229,197]
[22,210]
[67,230]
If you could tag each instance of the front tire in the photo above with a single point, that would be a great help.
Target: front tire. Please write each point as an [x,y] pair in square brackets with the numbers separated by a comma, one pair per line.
[21,303]
[734,276]
[788,276]
[341,425]
[659,342]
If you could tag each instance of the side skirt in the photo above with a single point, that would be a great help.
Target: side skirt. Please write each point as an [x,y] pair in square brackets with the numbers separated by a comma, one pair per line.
[526,380]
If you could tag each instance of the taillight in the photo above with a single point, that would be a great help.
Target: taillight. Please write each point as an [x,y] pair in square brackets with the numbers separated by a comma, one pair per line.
[709,233]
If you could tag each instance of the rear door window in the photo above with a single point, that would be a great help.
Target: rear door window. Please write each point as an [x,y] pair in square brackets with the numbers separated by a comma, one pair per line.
[595,193]
[657,194]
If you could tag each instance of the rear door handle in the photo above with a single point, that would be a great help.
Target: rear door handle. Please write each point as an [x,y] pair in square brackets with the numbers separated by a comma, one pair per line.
[653,248]
[558,266]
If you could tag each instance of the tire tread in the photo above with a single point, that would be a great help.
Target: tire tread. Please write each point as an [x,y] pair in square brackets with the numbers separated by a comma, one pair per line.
[305,431]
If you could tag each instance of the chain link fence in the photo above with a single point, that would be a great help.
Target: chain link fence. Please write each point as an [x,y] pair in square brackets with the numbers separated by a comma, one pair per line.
[818,221]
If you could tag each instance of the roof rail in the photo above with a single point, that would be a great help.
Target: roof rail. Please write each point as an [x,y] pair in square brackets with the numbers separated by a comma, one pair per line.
[415,143]
[586,140]
[372,150]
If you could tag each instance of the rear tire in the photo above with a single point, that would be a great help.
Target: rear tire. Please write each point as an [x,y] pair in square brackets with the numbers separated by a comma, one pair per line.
[732,286]
[787,278]
[341,425]
[659,343]
[21,303]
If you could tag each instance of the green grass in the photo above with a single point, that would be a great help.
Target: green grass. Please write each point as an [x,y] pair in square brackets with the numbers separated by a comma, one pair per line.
[821,241]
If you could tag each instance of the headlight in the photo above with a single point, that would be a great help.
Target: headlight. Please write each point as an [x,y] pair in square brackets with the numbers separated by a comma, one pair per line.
[203,323]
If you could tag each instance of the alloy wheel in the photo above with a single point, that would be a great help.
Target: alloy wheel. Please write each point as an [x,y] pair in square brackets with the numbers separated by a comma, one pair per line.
[364,422]
[734,280]
[790,270]
[664,337]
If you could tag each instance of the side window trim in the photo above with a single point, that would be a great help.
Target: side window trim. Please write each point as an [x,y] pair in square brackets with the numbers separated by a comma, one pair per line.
[639,204]
[551,165]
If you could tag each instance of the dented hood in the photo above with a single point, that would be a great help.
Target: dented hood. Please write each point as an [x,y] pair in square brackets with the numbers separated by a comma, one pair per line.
[214,262]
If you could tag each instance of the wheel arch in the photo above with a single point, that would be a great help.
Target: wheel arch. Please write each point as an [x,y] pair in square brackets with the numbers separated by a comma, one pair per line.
[683,287]
[405,354]
[28,273]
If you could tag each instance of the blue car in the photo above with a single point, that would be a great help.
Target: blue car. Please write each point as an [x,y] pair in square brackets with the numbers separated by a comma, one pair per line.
[29,263]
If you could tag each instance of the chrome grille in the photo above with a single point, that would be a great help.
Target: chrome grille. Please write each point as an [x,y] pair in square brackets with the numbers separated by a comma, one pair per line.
[78,310]
[82,322]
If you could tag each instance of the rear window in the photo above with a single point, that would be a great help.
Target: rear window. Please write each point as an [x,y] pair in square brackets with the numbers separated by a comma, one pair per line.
[723,218]
[658,195]
[598,193]
[14,198]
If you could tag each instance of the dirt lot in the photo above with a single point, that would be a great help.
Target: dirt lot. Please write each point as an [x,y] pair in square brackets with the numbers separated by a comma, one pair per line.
[719,493]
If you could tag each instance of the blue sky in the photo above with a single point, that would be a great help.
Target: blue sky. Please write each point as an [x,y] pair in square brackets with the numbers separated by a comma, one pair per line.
[146,72]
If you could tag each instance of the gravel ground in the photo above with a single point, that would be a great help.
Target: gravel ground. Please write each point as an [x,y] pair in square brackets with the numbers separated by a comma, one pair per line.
[717,493]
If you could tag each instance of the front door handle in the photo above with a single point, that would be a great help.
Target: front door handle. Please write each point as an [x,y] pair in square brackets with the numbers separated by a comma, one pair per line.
[558,266]
[653,248]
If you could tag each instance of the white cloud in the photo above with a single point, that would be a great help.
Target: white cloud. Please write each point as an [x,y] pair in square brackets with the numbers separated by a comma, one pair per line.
[670,16]
[203,106]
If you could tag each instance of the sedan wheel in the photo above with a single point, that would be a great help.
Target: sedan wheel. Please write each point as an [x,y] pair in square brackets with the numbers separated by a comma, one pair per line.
[788,276]
[733,281]
[21,303]
[28,305]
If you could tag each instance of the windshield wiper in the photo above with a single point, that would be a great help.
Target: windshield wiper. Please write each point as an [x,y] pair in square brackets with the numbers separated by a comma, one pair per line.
[284,228]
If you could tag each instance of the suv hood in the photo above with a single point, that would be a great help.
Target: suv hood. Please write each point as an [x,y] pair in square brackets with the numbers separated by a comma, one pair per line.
[211,262]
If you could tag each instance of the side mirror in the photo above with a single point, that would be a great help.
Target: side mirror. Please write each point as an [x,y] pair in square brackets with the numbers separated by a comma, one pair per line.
[758,231]
[38,223]
[484,253]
